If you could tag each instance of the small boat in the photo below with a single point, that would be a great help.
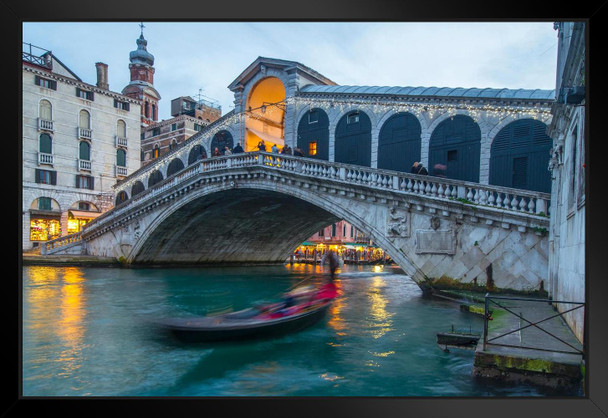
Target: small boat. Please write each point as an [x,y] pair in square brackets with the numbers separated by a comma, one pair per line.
[300,309]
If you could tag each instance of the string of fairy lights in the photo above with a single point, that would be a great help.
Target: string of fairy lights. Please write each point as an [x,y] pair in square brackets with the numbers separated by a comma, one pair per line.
[431,110]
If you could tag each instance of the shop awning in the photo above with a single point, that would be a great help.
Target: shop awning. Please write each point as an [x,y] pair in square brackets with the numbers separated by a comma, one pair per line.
[267,138]
[80,214]
[44,214]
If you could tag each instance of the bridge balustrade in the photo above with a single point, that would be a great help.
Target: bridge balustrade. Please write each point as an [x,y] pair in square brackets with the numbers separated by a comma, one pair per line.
[498,197]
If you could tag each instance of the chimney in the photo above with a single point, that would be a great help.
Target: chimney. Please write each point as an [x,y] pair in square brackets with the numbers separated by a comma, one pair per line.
[102,75]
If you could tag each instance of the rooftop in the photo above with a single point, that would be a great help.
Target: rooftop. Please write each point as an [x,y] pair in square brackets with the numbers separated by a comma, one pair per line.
[485,93]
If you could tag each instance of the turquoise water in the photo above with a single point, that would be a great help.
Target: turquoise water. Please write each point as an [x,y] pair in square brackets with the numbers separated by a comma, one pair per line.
[86,332]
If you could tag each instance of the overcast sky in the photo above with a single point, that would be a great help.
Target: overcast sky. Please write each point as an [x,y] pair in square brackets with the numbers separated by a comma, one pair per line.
[207,55]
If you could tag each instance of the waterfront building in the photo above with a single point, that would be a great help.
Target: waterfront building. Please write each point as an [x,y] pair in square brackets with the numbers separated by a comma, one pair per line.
[78,140]
[352,245]
[567,165]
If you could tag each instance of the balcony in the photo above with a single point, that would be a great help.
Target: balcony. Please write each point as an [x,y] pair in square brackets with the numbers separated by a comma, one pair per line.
[85,133]
[121,142]
[121,171]
[44,158]
[45,125]
[84,165]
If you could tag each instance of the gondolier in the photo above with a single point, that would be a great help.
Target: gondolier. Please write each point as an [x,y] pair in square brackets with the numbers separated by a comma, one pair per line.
[331,258]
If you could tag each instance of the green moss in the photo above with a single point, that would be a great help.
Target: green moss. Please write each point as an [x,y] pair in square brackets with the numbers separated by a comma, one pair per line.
[531,365]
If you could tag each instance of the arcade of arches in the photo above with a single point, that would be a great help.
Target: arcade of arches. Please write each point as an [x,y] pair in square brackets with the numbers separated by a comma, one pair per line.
[519,152]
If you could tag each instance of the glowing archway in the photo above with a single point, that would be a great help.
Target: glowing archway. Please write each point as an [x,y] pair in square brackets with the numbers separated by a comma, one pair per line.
[265,115]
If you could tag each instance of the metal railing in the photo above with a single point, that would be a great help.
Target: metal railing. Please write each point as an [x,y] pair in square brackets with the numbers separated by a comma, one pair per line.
[502,303]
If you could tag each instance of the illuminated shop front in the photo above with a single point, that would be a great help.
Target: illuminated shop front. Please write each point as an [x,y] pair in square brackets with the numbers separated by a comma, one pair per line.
[352,253]
[45,219]
[77,219]
[44,227]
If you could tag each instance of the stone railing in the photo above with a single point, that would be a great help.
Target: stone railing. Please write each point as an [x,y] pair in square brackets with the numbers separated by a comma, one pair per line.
[502,198]
[61,243]
[499,197]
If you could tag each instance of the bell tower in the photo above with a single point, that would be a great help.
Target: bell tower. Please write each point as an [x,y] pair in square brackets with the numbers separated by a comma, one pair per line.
[141,86]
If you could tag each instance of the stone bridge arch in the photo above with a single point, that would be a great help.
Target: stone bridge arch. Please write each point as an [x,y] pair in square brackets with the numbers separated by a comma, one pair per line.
[257,207]
[251,223]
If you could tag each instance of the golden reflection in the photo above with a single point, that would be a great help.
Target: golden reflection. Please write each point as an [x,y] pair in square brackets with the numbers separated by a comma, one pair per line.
[331,376]
[41,297]
[388,353]
[71,325]
[56,311]
[336,321]
[381,318]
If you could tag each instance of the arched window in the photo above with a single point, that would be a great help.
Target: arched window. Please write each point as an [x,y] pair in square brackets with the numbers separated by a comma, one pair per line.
[174,166]
[221,140]
[519,156]
[456,143]
[155,177]
[156,152]
[46,110]
[313,134]
[354,139]
[121,158]
[46,144]
[121,129]
[84,151]
[121,197]
[84,120]
[399,142]
[195,154]
[137,188]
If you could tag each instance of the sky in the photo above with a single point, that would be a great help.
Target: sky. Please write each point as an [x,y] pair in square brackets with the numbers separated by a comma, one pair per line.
[205,57]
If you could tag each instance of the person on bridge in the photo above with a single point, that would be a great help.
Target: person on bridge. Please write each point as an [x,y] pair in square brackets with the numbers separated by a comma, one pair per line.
[238,149]
[439,170]
[227,150]
[418,168]
[216,153]
[331,258]
[275,149]
[262,146]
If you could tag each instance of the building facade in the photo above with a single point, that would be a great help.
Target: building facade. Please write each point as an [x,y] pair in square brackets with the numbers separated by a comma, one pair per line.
[78,140]
[189,117]
[567,165]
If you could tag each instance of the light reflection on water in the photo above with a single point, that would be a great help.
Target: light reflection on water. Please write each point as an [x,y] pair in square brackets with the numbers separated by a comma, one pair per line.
[85,332]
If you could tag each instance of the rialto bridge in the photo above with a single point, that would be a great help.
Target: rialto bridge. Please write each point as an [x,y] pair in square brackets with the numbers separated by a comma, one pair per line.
[484,222]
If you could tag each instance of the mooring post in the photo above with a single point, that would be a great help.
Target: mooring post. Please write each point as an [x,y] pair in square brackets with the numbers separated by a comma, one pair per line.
[485,323]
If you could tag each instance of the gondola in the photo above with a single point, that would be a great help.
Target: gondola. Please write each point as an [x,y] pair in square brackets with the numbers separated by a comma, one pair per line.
[299,310]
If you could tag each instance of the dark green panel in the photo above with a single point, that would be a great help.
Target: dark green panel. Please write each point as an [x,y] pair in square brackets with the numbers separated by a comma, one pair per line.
[314,127]
[520,156]
[456,143]
[399,142]
[354,139]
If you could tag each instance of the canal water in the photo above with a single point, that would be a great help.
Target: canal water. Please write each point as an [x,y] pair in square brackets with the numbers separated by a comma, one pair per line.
[87,332]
